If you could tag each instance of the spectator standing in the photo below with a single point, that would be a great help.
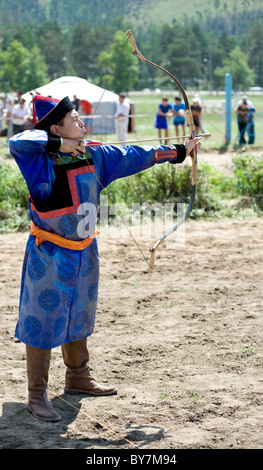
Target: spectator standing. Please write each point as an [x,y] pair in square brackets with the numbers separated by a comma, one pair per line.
[179,115]
[20,114]
[164,112]
[196,112]
[242,120]
[75,102]
[8,117]
[122,117]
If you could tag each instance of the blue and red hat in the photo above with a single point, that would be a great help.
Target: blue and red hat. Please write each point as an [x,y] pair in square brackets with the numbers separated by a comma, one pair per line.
[48,111]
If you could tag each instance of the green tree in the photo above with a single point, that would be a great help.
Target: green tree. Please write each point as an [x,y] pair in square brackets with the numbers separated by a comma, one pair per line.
[54,47]
[237,64]
[36,70]
[219,48]
[181,64]
[21,68]
[15,62]
[178,55]
[120,59]
[87,43]
[26,34]
[253,45]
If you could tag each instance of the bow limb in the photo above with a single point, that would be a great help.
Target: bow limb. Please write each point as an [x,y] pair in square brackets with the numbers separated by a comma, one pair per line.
[193,154]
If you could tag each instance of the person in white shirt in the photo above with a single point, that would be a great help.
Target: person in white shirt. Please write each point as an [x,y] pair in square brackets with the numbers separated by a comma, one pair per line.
[244,98]
[8,113]
[122,118]
[20,114]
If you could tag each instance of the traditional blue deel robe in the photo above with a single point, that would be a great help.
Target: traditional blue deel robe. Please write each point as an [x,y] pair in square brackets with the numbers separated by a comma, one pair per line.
[59,286]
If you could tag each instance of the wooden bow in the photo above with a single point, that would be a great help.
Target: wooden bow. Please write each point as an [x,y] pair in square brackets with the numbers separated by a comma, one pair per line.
[193,155]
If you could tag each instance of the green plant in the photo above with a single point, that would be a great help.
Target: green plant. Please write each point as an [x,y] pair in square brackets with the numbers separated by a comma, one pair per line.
[195,400]
[250,348]
[13,199]
[248,171]
[161,396]
[167,184]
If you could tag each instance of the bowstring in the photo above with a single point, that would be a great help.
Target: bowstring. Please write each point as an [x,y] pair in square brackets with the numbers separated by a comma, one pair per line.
[119,214]
[92,117]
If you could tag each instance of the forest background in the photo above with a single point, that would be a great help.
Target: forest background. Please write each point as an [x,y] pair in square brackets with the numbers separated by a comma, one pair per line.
[43,39]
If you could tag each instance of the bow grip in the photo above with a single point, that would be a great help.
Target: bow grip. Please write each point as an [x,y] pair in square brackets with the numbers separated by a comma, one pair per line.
[152,259]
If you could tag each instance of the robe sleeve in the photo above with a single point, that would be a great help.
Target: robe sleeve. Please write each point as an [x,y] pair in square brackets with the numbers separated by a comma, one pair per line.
[31,150]
[113,162]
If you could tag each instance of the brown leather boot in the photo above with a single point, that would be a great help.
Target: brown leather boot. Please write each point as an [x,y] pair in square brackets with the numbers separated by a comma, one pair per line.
[78,378]
[38,361]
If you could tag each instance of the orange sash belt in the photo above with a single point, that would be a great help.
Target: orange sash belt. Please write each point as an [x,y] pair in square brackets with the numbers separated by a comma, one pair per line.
[43,235]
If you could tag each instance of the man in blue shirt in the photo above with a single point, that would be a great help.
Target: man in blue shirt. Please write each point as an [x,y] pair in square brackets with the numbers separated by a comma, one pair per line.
[164,112]
[179,115]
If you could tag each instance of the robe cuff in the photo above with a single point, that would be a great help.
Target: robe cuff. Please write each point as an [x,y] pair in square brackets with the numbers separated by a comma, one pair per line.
[54,143]
[181,154]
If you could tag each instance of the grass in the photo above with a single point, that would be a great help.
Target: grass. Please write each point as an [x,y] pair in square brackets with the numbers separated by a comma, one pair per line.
[4,150]
[195,400]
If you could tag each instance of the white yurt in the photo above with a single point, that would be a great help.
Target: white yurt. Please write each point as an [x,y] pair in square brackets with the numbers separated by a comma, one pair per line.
[103,121]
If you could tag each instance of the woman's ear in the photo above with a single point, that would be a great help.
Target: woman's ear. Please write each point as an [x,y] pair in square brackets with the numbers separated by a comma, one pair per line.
[54,129]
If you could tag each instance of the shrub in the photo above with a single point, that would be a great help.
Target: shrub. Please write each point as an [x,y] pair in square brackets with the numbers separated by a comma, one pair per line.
[13,199]
[248,170]
[167,183]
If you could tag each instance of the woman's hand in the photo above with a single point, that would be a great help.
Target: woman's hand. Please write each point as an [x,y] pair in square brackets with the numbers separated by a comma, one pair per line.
[191,143]
[72,146]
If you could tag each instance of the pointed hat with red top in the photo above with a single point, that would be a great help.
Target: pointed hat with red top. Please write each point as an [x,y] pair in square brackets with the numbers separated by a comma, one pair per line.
[48,111]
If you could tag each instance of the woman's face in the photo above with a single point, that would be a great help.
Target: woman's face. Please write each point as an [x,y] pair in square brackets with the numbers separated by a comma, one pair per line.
[73,127]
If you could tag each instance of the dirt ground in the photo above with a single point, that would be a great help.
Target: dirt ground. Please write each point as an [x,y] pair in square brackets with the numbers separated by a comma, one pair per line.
[183,345]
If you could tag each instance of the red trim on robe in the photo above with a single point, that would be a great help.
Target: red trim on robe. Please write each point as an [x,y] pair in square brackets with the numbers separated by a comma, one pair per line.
[73,191]
[164,154]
